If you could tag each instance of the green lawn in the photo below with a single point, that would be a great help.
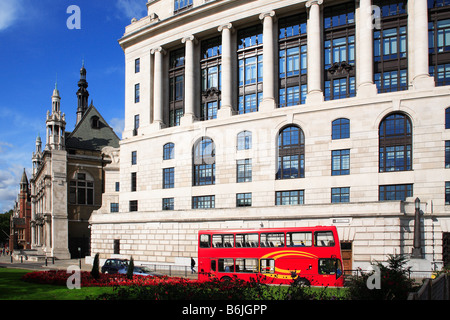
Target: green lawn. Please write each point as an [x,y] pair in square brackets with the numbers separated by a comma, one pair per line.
[13,288]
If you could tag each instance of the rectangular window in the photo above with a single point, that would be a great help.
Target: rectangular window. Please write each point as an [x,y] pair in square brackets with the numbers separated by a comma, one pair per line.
[226,265]
[137,65]
[243,200]
[116,246]
[272,240]
[168,204]
[181,5]
[133,181]
[133,205]
[114,207]
[324,239]
[223,240]
[390,47]
[168,178]
[203,202]
[211,69]
[340,162]
[250,69]
[176,86]
[246,265]
[340,195]
[267,265]
[447,154]
[298,239]
[137,94]
[244,170]
[117,186]
[292,197]
[209,110]
[396,158]
[439,42]
[395,192]
[133,157]
[247,240]
[339,51]
[136,125]
[447,192]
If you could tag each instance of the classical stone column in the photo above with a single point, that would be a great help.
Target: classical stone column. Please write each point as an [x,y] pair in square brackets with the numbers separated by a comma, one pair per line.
[314,58]
[189,81]
[268,102]
[421,78]
[226,110]
[364,69]
[158,90]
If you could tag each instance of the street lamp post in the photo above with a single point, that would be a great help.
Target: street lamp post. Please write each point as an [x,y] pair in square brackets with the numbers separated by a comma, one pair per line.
[417,249]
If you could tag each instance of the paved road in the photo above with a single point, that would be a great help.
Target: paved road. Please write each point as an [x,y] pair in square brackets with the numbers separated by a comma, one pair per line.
[6,262]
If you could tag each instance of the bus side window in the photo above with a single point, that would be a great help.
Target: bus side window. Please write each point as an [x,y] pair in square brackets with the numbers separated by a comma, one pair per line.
[226,265]
[205,241]
[213,265]
[272,239]
[298,239]
[267,265]
[324,239]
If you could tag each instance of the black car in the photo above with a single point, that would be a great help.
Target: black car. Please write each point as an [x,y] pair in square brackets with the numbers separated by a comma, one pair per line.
[114,265]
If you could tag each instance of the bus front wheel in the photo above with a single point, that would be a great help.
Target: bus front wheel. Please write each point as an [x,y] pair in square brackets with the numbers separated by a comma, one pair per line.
[226,278]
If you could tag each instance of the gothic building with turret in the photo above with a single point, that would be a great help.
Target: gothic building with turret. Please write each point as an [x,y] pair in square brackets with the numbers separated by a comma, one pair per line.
[68,177]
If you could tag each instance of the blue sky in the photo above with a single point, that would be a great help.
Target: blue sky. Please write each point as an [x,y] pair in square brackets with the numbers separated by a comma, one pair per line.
[37,49]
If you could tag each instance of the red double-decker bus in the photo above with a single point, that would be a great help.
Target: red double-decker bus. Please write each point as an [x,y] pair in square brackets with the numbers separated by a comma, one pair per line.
[275,255]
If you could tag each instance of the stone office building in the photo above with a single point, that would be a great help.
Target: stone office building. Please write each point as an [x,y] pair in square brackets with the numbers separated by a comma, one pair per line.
[249,114]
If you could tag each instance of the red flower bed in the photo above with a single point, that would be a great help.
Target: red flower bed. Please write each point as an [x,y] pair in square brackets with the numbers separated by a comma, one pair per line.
[60,277]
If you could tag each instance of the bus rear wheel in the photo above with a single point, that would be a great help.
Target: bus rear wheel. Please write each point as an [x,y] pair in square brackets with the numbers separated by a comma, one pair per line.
[226,278]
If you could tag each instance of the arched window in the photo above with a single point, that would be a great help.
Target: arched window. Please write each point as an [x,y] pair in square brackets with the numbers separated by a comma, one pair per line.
[340,129]
[244,140]
[168,151]
[395,143]
[204,162]
[81,189]
[291,153]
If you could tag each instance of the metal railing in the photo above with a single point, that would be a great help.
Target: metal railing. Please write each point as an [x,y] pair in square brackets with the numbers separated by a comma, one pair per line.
[171,270]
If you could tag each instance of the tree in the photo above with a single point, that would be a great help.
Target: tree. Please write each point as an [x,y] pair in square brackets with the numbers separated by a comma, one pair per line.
[4,226]
[393,278]
[130,269]
[95,272]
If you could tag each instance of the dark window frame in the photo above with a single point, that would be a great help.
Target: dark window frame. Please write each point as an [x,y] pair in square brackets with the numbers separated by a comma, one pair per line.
[176,86]
[249,46]
[397,136]
[203,162]
[211,68]
[292,35]
[339,23]
[391,71]
[439,58]
[291,153]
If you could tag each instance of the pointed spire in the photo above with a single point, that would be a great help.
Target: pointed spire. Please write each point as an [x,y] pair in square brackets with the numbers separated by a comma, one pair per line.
[24,181]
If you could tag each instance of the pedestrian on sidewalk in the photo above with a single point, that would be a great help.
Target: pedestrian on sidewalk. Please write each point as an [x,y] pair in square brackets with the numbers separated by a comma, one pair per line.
[192,265]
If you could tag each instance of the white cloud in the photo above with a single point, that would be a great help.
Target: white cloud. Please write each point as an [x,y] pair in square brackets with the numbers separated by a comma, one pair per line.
[117,125]
[132,8]
[9,12]
[9,186]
